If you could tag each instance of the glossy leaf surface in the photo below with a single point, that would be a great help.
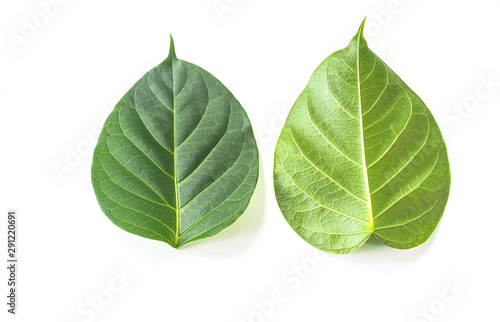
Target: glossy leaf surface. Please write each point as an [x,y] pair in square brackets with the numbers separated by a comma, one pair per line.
[176,160]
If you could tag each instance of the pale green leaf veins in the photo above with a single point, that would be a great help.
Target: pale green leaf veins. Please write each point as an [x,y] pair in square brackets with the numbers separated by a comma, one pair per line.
[360,155]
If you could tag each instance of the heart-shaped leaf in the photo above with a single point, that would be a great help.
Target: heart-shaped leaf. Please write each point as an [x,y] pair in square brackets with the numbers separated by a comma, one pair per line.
[176,160]
[360,155]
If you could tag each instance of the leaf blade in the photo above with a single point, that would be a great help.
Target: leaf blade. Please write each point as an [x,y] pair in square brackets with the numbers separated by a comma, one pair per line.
[178,135]
[361,126]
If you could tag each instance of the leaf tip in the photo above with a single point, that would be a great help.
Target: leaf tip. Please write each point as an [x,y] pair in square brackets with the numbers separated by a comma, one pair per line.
[361,28]
[172,55]
[359,39]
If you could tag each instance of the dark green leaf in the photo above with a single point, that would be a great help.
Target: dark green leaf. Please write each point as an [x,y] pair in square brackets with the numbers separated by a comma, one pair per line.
[176,160]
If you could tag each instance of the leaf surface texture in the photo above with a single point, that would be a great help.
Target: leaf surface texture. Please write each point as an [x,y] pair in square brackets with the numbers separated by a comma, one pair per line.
[176,160]
[360,155]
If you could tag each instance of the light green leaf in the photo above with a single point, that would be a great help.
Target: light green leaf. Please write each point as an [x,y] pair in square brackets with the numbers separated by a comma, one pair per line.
[176,160]
[360,155]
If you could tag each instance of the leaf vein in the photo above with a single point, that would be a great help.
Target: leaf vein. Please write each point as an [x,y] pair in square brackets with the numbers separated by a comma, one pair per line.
[338,184]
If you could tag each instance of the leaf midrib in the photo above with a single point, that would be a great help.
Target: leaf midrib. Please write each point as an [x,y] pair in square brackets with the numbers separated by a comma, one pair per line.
[369,201]
[176,186]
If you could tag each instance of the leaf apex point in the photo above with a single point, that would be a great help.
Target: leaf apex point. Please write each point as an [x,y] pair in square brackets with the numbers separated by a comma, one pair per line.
[362,28]
[172,48]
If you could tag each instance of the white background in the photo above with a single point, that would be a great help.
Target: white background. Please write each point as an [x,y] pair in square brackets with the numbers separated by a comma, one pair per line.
[65,78]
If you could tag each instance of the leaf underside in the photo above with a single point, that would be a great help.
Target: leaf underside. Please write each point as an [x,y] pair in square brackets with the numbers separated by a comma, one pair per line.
[176,160]
[360,155]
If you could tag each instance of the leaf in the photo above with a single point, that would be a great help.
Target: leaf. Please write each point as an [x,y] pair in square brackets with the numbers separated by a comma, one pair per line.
[360,155]
[176,160]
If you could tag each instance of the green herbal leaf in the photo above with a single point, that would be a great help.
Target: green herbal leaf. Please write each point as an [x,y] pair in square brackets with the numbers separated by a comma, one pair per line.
[360,155]
[176,160]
